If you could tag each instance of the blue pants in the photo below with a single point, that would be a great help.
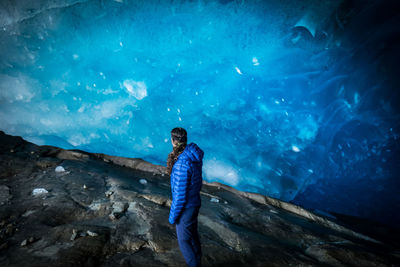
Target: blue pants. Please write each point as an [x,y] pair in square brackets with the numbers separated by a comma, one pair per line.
[188,236]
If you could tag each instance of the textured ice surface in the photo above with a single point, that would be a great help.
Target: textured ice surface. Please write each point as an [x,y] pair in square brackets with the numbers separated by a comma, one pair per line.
[293,99]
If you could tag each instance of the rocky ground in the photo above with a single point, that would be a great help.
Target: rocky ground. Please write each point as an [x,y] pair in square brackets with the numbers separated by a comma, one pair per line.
[72,208]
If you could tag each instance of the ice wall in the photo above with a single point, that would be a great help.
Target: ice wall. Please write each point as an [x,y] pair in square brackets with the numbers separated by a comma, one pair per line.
[293,99]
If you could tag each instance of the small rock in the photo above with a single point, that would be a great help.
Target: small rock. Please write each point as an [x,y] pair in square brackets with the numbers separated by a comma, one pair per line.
[12,150]
[114,216]
[28,241]
[162,174]
[225,202]
[39,191]
[24,243]
[60,169]
[213,199]
[143,181]
[74,234]
[84,186]
[90,233]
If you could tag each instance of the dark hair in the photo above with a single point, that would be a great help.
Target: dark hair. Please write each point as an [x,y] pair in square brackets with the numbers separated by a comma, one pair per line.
[179,136]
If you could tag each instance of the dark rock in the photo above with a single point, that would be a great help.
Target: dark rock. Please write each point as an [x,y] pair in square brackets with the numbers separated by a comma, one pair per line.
[236,228]
[74,234]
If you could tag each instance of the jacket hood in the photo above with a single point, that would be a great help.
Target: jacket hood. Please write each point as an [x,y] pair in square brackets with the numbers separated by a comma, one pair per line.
[193,152]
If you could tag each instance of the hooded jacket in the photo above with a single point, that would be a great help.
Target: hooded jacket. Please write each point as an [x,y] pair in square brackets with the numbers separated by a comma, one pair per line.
[186,181]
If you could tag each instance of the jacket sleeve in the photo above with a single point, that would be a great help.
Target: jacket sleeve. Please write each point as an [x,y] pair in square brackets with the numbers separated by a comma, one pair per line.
[181,181]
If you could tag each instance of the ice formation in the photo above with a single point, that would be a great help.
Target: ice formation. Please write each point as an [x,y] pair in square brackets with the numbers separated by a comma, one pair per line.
[39,191]
[60,169]
[296,100]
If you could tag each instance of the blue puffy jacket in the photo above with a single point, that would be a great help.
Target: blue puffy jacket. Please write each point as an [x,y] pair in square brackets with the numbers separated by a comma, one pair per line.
[186,181]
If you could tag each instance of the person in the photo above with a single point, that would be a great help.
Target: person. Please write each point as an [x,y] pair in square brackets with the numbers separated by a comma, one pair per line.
[184,165]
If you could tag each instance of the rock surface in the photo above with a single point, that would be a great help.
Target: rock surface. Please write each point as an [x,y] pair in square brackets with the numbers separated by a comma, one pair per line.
[99,213]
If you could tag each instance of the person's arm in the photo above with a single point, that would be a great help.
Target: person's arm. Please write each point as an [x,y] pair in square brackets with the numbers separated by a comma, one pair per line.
[182,175]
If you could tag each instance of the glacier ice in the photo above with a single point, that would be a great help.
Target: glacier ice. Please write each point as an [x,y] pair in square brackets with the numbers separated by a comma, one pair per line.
[225,172]
[294,99]
[60,169]
[136,89]
[39,191]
